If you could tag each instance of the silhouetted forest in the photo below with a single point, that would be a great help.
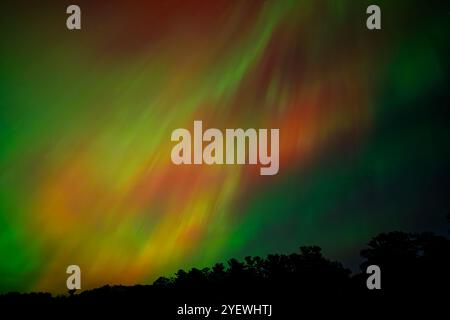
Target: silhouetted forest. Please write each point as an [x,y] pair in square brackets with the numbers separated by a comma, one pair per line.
[414,267]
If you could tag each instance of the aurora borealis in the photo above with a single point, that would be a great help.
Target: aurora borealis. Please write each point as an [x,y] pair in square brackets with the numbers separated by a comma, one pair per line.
[86,116]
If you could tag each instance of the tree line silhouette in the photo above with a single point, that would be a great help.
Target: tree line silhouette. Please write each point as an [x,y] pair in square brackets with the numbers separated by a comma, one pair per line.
[414,266]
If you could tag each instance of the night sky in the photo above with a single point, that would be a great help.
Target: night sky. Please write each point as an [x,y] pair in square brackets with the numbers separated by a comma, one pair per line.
[86,118]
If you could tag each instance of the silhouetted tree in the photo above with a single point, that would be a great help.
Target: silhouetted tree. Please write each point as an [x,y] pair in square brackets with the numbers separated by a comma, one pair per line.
[409,261]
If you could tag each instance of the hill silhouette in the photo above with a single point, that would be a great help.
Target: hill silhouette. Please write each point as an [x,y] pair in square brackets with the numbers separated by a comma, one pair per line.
[414,269]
